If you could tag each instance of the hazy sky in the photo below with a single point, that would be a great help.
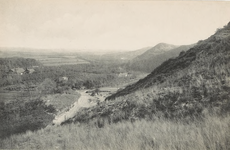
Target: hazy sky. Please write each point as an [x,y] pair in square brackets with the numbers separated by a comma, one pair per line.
[107,25]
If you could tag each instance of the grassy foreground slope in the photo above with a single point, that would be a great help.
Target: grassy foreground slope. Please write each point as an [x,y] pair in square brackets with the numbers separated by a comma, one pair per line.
[210,134]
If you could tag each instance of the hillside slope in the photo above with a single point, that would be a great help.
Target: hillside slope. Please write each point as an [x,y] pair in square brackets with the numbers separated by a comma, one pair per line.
[213,52]
[185,87]
[153,57]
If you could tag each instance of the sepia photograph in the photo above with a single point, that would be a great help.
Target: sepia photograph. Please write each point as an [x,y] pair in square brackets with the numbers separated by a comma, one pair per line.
[114,75]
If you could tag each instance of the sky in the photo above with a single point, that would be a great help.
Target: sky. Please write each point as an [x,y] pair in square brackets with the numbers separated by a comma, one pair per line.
[108,25]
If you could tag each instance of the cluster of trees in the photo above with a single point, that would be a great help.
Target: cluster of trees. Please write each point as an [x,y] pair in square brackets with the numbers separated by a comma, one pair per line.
[6,64]
[20,115]
[27,111]
[14,62]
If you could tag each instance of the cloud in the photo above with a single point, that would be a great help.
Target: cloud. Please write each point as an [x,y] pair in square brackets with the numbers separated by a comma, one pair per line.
[66,26]
[77,26]
[108,25]
[10,34]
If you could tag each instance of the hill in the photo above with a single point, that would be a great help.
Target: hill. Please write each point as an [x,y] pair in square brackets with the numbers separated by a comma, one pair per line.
[158,49]
[211,53]
[153,57]
[187,86]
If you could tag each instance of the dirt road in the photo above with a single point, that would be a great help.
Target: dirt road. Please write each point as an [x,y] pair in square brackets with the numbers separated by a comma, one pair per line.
[85,100]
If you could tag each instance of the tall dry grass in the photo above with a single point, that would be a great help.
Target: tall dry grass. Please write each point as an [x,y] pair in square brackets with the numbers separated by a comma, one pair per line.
[213,133]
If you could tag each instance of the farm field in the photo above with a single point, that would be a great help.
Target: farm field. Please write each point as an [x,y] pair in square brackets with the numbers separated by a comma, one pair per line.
[8,96]
[56,61]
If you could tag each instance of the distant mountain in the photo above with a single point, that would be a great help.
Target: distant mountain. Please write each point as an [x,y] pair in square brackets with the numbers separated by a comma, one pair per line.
[154,56]
[156,50]
[118,58]
[125,56]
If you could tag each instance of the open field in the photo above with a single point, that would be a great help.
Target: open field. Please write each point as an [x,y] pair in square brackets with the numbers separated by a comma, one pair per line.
[56,61]
[8,96]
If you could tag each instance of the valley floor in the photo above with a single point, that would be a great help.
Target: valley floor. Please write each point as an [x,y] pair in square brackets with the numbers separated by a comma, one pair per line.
[211,133]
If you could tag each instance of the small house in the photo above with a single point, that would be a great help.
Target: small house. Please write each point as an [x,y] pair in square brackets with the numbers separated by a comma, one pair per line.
[61,79]
[18,71]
